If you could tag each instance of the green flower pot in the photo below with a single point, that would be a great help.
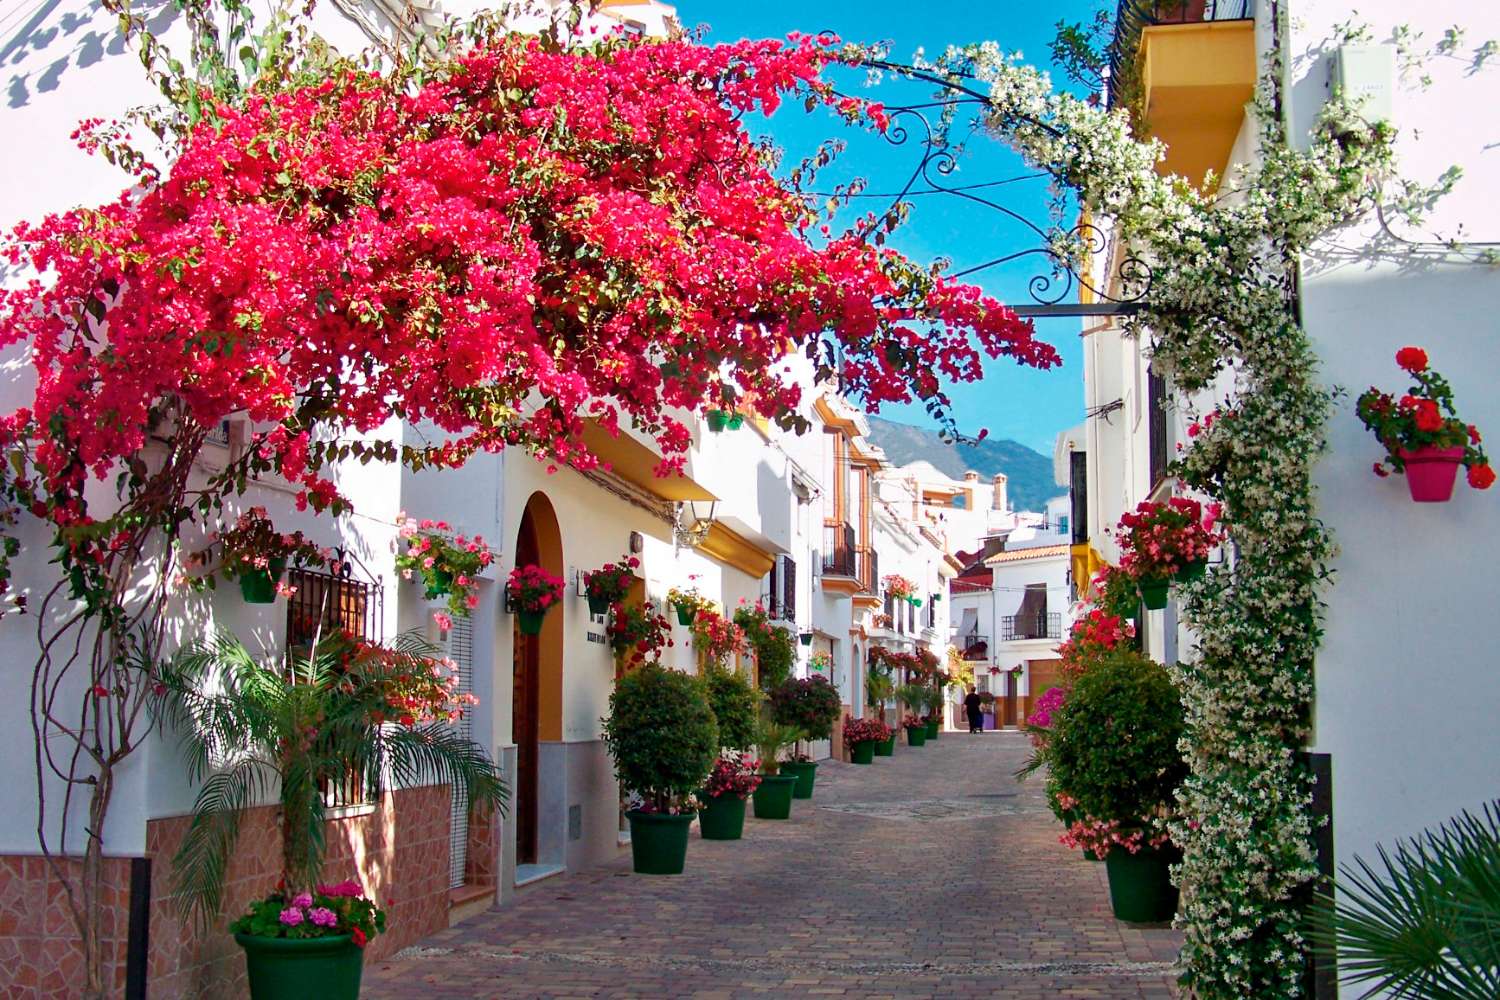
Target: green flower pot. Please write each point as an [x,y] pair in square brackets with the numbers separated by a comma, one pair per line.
[258,586]
[722,818]
[717,420]
[916,736]
[1193,571]
[932,729]
[323,968]
[658,842]
[531,621]
[1140,884]
[805,638]
[735,421]
[599,604]
[886,747]
[773,798]
[685,614]
[441,584]
[806,772]
[1154,593]
[863,753]
[1089,855]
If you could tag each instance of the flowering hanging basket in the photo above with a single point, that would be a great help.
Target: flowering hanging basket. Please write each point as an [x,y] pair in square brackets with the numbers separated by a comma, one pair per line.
[718,420]
[1422,433]
[1154,592]
[1432,472]
[530,622]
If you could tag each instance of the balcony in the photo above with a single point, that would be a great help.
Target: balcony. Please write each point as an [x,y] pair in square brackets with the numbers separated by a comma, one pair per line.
[973,646]
[840,558]
[1042,625]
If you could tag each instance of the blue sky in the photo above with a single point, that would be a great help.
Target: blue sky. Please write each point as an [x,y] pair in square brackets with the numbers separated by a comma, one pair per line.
[1012,402]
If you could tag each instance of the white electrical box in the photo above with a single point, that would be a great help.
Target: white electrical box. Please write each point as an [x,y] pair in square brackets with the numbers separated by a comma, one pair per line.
[1365,75]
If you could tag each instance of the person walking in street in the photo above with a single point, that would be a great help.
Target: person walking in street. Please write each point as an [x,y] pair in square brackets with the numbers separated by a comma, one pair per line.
[971,705]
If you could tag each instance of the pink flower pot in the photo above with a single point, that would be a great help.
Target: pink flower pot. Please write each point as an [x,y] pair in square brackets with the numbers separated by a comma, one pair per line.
[1431,472]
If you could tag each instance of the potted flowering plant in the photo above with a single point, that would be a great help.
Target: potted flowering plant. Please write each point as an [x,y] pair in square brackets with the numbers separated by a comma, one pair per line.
[729,784]
[899,586]
[717,638]
[773,797]
[609,584]
[810,706]
[916,729]
[1091,637]
[820,663]
[1112,746]
[862,736]
[775,646]
[256,554]
[1422,434]
[663,739]
[721,420]
[300,728]
[689,604]
[637,632]
[1166,541]
[534,591]
[448,564]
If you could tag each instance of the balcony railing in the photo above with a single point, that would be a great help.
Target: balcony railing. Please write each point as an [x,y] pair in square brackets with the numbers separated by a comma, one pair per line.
[869,571]
[840,557]
[1134,16]
[1042,625]
[974,646]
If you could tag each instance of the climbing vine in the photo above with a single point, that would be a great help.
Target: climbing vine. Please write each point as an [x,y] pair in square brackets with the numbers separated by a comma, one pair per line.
[1221,323]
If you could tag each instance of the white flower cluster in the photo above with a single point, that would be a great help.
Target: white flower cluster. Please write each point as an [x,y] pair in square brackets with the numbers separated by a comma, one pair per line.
[1221,300]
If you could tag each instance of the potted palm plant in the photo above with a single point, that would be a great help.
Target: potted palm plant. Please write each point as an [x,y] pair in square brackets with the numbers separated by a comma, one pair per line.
[347,712]
[773,798]
[914,697]
[880,688]
[663,738]
[809,705]
[1114,764]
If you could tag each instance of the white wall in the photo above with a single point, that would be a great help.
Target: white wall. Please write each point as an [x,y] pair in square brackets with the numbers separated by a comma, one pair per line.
[1407,685]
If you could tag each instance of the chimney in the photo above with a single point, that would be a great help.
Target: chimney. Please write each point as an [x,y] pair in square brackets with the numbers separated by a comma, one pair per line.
[971,484]
[999,503]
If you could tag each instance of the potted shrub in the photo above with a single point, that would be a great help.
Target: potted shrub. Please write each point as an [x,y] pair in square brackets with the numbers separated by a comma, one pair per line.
[533,591]
[1166,541]
[916,730]
[636,633]
[663,739]
[862,736]
[301,727]
[447,564]
[729,784]
[609,584]
[253,552]
[775,645]
[773,797]
[1422,434]
[688,604]
[736,706]
[716,638]
[1112,747]
[810,706]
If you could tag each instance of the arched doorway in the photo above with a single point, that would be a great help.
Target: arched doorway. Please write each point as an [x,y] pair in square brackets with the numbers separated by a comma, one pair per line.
[536,694]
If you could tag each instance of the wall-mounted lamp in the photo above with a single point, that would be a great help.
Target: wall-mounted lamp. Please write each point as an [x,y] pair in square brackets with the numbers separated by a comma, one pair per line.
[690,527]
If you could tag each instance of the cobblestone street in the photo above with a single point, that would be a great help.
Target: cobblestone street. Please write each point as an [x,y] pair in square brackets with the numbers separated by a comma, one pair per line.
[930,874]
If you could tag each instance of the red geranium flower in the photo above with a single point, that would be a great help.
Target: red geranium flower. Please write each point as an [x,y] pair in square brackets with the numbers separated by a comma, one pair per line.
[1481,477]
[1413,359]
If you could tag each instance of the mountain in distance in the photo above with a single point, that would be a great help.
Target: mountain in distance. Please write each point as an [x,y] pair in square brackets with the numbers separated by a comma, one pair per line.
[1029,473]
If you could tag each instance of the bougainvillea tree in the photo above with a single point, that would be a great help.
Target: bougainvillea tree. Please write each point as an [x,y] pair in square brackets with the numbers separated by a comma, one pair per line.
[507,240]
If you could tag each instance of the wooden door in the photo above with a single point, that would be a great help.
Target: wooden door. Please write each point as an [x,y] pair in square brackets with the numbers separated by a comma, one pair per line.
[1041,674]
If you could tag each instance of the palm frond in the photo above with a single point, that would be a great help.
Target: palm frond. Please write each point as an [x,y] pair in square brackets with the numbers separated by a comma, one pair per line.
[1422,923]
[434,752]
[203,857]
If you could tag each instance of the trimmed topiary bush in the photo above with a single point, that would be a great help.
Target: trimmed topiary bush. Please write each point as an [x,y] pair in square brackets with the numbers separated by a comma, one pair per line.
[1113,743]
[736,707]
[811,705]
[662,735]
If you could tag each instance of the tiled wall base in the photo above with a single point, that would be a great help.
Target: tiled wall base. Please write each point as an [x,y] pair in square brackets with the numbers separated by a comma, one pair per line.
[399,850]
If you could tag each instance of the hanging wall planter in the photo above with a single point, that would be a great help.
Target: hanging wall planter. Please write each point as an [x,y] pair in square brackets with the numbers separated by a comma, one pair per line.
[258,586]
[805,638]
[735,421]
[718,420]
[1154,593]
[1431,473]
[599,604]
[1192,571]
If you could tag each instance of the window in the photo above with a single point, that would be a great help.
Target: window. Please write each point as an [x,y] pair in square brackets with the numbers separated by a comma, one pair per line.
[781,591]
[1157,425]
[461,651]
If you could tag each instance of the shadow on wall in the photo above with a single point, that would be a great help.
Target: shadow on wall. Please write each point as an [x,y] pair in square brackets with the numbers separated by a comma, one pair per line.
[42,42]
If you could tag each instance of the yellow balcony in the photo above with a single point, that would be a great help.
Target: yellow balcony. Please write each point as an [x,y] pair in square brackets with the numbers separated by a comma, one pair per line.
[1195,82]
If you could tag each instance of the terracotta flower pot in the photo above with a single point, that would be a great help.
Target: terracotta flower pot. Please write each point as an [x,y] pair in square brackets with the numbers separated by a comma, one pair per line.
[1431,472]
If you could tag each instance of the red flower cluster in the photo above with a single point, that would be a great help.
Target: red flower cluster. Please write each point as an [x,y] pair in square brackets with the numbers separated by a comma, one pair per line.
[858,731]
[588,229]
[534,589]
[1093,635]
[716,637]
[732,775]
[1423,417]
[611,582]
[638,632]
[1161,539]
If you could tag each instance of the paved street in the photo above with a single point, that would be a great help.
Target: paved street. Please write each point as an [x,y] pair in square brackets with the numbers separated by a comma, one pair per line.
[930,874]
